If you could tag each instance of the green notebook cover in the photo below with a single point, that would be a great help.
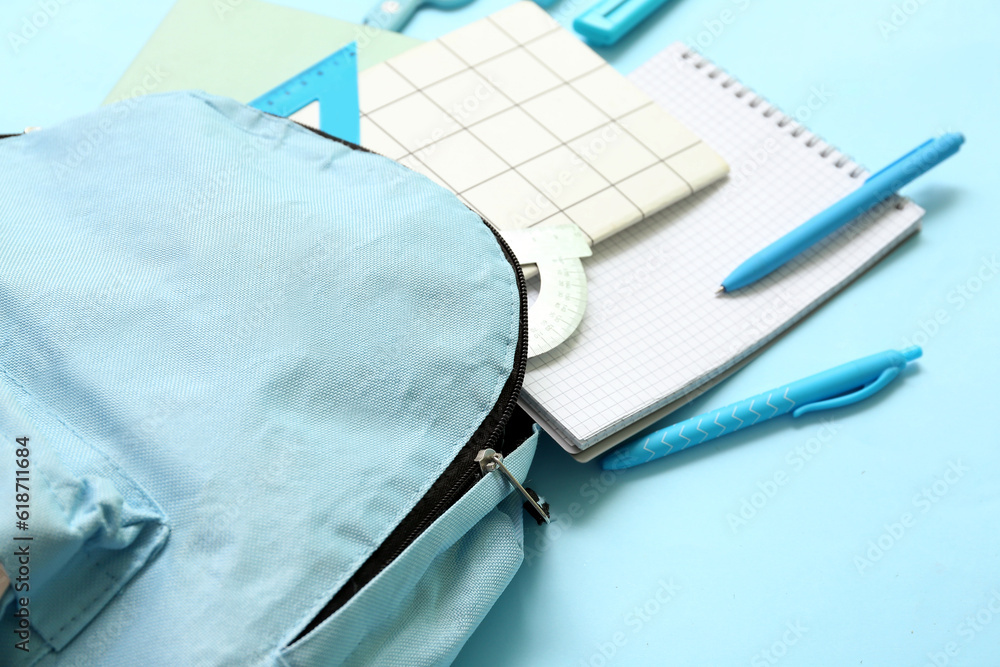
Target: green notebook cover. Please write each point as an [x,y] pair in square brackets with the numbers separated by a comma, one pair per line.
[241,50]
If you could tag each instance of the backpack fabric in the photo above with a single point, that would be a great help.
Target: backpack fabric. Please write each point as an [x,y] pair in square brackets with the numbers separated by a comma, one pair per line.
[245,369]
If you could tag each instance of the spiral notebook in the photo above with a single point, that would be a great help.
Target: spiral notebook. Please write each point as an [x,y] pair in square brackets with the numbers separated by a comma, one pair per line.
[654,335]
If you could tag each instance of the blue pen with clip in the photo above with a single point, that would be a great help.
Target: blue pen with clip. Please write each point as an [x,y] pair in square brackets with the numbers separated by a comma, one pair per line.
[876,189]
[608,21]
[843,385]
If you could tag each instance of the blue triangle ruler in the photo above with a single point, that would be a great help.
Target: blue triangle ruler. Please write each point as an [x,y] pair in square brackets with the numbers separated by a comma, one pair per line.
[324,97]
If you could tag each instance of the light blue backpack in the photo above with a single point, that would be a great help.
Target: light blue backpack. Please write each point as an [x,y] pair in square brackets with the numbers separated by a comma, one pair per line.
[246,371]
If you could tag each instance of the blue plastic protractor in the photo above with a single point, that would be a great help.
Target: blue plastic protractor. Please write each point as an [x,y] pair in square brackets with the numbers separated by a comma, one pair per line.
[325,94]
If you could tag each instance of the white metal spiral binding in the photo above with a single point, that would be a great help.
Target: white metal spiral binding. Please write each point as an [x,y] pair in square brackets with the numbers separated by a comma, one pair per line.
[783,120]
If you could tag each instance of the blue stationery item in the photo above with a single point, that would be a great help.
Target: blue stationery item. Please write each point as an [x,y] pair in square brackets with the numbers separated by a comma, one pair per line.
[332,84]
[876,189]
[607,22]
[263,421]
[394,14]
[837,387]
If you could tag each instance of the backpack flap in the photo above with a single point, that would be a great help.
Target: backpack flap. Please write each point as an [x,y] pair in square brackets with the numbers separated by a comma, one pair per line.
[295,347]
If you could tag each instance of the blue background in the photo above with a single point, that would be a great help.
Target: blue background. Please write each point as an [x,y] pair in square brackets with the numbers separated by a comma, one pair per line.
[657,558]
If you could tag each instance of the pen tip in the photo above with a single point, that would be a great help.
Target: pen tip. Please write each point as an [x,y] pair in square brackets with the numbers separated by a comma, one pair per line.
[619,460]
[615,464]
[720,290]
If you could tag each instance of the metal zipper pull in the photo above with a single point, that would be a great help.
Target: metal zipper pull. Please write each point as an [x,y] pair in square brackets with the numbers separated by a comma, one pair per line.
[490,460]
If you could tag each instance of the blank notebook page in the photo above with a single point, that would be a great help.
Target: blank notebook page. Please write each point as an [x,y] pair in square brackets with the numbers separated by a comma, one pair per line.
[654,330]
[529,126]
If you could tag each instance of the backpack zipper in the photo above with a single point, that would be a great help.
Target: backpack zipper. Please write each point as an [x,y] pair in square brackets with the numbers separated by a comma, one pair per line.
[483,454]
[465,469]
[490,460]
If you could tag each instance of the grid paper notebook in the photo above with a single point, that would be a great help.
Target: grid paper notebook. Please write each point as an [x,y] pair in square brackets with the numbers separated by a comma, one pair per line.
[654,332]
[529,126]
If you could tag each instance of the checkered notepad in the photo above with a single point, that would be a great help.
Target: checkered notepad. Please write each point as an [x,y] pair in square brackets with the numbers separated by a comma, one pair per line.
[529,126]
[654,332]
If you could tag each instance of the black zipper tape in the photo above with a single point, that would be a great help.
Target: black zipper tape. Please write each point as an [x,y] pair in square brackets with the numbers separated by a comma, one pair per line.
[504,429]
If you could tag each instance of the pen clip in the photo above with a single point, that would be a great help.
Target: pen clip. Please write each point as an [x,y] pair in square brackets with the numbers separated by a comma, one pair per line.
[894,163]
[887,376]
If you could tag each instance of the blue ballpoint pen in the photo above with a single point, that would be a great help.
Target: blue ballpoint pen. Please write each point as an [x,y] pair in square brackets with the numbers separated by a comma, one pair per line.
[843,385]
[876,189]
[607,22]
